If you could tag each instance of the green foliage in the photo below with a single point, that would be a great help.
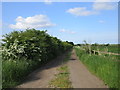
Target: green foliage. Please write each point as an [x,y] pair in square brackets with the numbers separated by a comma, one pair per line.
[109,48]
[62,79]
[70,43]
[104,66]
[95,44]
[32,47]
[15,70]
[32,43]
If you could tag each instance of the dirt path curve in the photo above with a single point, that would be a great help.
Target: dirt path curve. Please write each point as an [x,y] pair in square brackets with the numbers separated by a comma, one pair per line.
[80,76]
[42,76]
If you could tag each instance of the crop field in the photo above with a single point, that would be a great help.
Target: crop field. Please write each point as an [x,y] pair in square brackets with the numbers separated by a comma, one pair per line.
[104,66]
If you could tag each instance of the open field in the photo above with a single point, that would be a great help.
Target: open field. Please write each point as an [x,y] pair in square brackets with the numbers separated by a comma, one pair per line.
[111,48]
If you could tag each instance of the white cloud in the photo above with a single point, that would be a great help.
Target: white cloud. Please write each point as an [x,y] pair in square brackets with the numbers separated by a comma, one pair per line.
[81,11]
[97,6]
[101,21]
[37,21]
[67,31]
[48,2]
[103,6]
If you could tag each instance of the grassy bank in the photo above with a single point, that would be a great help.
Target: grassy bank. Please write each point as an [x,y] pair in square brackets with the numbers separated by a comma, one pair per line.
[104,66]
[16,71]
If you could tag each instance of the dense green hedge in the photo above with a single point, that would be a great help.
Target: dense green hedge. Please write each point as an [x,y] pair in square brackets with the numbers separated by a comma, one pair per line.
[28,49]
[32,44]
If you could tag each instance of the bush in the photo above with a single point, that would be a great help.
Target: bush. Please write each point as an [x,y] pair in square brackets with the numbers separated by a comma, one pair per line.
[33,45]
[24,51]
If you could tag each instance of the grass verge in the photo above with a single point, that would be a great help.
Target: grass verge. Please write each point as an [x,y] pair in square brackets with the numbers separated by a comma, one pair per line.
[103,66]
[13,72]
[62,78]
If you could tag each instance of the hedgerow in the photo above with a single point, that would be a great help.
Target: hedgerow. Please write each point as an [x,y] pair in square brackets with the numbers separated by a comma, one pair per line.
[28,46]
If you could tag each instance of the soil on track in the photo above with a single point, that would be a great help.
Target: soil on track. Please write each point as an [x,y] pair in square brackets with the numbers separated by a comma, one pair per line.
[41,77]
[79,74]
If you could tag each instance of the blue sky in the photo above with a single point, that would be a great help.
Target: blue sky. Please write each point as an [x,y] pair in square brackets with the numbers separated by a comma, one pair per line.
[71,21]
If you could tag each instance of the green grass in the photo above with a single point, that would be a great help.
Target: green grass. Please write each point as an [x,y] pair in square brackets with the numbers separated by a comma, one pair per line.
[103,66]
[110,48]
[62,78]
[13,72]
[0,70]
